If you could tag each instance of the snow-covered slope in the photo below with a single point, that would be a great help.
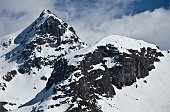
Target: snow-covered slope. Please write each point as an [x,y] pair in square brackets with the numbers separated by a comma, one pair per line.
[48,68]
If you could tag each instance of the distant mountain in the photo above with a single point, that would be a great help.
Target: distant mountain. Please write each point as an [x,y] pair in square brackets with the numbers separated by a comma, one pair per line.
[47,68]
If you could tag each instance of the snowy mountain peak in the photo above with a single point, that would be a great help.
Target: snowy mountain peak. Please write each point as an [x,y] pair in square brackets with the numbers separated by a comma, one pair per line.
[29,57]
[45,11]
[47,38]
[46,23]
[46,14]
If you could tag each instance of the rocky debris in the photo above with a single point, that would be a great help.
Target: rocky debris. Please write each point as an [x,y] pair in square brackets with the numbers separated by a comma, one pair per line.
[9,76]
[6,44]
[3,86]
[61,72]
[44,78]
[2,109]
[145,81]
[2,104]
[53,27]
[45,11]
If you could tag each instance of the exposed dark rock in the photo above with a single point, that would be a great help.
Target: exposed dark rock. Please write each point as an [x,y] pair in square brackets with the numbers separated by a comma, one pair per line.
[145,81]
[45,11]
[57,105]
[62,72]
[51,26]
[135,65]
[2,109]
[2,104]
[40,41]
[71,29]
[9,76]
[6,44]
[43,78]
[157,47]
[3,86]
[136,86]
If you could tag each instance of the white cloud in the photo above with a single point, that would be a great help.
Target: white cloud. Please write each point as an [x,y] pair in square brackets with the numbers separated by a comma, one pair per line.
[152,27]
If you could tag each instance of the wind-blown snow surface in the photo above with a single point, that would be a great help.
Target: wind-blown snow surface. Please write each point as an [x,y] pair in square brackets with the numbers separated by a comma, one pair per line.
[150,94]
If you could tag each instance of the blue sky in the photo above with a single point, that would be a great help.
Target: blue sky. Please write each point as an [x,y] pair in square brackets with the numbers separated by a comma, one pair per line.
[144,5]
[134,6]
[95,19]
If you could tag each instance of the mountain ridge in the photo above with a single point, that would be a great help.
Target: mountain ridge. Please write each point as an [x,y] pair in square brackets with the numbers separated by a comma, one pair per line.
[53,70]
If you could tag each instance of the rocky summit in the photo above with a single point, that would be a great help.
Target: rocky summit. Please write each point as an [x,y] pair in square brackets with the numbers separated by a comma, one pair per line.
[48,68]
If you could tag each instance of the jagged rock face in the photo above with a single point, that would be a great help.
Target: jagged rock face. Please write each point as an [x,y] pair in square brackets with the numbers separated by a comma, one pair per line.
[53,26]
[93,75]
[134,66]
